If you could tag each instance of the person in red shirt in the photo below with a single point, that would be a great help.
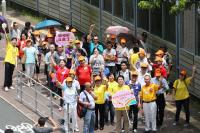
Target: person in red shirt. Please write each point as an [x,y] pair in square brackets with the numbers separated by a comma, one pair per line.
[83,72]
[21,45]
[61,73]
[157,66]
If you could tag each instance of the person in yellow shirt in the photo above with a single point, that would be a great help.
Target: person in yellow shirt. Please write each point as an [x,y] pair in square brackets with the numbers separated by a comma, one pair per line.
[108,103]
[10,62]
[99,91]
[148,98]
[121,112]
[134,58]
[181,95]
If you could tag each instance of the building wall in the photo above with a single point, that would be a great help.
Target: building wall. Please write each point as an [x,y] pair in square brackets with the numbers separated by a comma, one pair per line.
[84,14]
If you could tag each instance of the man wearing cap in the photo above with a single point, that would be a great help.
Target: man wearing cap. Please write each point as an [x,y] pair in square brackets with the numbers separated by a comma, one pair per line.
[113,41]
[160,54]
[135,87]
[142,73]
[142,59]
[160,101]
[70,102]
[121,53]
[10,62]
[109,55]
[96,44]
[84,72]
[78,46]
[99,91]
[148,98]
[87,99]
[181,95]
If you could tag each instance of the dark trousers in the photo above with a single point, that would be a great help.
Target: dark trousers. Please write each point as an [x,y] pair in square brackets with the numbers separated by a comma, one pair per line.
[118,67]
[160,101]
[185,103]
[109,108]
[23,68]
[134,111]
[99,109]
[9,68]
[59,92]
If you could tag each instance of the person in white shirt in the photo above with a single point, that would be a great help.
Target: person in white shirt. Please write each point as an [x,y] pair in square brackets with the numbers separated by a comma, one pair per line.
[143,71]
[89,119]
[15,31]
[124,72]
[122,53]
[70,97]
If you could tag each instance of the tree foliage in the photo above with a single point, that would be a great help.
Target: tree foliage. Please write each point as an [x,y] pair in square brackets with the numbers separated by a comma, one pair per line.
[177,5]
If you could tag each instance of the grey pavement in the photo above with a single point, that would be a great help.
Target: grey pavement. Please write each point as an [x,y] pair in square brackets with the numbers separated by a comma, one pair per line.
[11,97]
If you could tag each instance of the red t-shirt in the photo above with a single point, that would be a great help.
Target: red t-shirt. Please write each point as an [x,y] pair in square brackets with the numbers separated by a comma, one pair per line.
[162,70]
[61,73]
[84,74]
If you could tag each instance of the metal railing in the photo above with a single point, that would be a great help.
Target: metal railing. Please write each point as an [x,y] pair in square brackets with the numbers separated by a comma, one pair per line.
[38,98]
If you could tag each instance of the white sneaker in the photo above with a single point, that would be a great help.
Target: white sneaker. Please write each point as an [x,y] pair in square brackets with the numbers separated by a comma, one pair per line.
[175,123]
[6,89]
[76,130]
[12,88]
[135,130]
[28,84]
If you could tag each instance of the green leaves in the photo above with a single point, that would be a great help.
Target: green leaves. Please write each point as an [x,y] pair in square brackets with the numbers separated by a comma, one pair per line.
[177,6]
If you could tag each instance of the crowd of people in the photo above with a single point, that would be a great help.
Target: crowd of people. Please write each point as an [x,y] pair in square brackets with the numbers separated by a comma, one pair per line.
[89,72]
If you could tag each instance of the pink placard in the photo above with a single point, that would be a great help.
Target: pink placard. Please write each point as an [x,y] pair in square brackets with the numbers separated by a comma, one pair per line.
[63,38]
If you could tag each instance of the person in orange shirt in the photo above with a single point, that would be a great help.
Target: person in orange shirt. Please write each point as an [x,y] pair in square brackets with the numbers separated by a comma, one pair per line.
[148,98]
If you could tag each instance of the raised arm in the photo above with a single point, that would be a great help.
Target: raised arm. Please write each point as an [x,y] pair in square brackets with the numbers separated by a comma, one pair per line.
[193,71]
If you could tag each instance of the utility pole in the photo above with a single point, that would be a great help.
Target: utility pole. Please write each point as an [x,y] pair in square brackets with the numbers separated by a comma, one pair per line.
[178,39]
[3,4]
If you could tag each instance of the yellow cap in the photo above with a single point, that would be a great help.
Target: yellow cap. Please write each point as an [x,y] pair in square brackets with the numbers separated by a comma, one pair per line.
[134,73]
[44,43]
[158,73]
[142,52]
[81,58]
[77,42]
[69,79]
[71,71]
[144,65]
[49,35]
[113,36]
[97,78]
[73,30]
[36,32]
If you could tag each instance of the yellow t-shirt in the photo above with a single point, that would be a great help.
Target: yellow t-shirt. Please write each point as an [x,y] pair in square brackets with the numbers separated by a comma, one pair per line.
[133,59]
[119,88]
[100,93]
[11,54]
[181,88]
[111,87]
[148,93]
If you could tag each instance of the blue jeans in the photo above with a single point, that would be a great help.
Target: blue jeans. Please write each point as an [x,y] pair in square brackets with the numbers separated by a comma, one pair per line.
[89,122]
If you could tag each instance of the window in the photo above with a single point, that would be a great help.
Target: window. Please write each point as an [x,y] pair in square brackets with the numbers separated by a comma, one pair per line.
[198,33]
[88,1]
[118,8]
[129,10]
[156,21]
[169,25]
[143,19]
[107,5]
[95,3]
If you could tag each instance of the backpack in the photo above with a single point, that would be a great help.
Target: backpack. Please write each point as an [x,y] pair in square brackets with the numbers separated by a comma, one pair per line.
[81,110]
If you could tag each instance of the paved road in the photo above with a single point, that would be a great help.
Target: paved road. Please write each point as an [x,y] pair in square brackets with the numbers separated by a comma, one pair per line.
[10,116]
